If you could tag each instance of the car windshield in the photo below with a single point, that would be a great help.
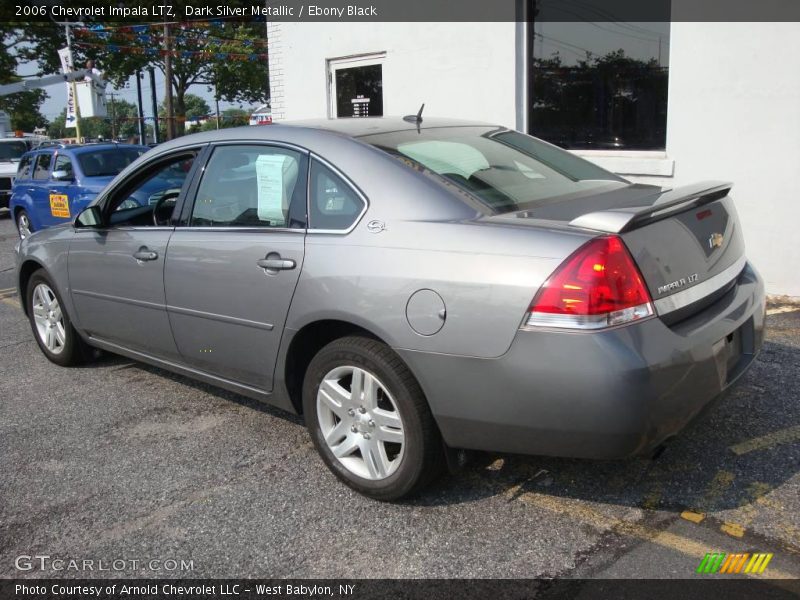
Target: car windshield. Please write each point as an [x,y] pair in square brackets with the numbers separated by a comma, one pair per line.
[103,163]
[505,170]
[12,150]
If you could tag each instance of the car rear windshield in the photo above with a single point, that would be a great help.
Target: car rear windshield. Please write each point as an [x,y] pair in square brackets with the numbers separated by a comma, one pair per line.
[505,170]
[12,150]
[102,163]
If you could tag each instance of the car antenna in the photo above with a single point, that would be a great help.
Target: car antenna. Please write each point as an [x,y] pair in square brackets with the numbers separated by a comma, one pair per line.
[417,118]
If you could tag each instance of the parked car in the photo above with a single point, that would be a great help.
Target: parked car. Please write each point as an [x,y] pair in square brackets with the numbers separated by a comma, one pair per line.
[411,288]
[11,151]
[54,183]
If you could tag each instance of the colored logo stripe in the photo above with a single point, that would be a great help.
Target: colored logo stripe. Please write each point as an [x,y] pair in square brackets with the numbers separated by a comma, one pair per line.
[721,562]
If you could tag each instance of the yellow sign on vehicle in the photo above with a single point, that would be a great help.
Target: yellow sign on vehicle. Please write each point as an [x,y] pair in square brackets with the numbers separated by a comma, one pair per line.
[59,205]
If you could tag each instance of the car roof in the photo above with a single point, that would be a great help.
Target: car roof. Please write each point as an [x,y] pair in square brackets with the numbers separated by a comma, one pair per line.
[357,127]
[352,128]
[87,148]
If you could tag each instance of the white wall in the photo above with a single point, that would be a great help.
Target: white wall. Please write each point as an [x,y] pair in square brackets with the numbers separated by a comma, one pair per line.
[734,114]
[734,106]
[462,70]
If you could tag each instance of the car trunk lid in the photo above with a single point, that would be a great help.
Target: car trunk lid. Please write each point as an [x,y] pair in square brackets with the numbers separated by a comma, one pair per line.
[686,241]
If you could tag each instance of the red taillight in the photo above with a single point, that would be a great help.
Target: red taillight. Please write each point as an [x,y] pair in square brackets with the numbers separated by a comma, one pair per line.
[598,286]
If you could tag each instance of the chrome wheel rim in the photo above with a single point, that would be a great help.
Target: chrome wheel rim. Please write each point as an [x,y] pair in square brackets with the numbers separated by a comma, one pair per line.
[48,318]
[24,226]
[360,422]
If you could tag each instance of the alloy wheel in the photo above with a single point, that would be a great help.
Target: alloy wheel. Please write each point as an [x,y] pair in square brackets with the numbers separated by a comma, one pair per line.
[360,422]
[24,226]
[48,318]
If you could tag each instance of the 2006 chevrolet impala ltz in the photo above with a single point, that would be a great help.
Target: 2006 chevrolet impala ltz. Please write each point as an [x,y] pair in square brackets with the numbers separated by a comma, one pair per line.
[410,287]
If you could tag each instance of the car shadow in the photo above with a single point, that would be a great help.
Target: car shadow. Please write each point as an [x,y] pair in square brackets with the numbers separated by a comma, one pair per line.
[732,457]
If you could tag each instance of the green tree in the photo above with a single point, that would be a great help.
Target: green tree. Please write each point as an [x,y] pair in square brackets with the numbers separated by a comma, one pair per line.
[230,117]
[195,107]
[201,55]
[24,109]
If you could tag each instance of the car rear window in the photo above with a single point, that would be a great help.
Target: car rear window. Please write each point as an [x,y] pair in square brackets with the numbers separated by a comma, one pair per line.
[12,150]
[103,163]
[505,170]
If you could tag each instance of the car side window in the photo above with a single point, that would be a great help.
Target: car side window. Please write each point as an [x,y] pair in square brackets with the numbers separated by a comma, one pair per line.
[334,204]
[24,169]
[63,163]
[252,186]
[42,169]
[149,198]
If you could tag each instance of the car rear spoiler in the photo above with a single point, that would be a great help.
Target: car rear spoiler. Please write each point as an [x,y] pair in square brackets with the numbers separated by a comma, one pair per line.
[668,203]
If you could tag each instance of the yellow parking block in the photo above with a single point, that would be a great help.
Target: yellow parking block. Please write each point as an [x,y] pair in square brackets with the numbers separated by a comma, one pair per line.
[694,517]
[732,529]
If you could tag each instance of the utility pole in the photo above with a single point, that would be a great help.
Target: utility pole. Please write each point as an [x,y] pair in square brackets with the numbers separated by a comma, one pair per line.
[142,130]
[113,95]
[154,101]
[168,81]
[72,86]
[216,101]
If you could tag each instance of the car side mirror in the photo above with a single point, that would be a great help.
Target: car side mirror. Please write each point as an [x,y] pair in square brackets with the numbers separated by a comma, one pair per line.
[62,175]
[89,217]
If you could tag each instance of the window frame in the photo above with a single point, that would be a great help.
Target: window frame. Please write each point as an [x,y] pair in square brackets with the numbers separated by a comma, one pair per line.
[348,62]
[349,183]
[184,221]
[142,173]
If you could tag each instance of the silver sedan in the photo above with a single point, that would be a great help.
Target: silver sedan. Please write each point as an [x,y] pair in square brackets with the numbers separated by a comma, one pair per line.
[411,288]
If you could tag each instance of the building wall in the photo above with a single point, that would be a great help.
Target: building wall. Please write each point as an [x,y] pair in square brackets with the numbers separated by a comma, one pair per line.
[734,106]
[457,69]
[734,115]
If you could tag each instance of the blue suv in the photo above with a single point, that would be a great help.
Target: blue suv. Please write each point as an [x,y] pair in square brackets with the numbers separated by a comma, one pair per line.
[54,184]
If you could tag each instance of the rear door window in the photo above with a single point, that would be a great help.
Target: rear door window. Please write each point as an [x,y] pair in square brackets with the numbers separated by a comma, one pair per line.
[63,163]
[252,186]
[42,169]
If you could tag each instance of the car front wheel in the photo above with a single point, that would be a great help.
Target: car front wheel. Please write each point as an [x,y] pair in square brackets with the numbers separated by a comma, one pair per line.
[369,419]
[24,227]
[50,323]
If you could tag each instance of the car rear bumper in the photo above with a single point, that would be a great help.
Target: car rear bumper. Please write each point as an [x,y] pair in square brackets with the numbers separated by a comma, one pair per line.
[608,394]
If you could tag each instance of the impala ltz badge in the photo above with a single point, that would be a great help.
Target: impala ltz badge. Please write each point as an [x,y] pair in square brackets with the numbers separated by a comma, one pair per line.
[715,241]
[678,284]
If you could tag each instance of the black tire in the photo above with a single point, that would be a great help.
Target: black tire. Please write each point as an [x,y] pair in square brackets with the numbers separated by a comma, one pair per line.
[422,456]
[74,350]
[22,214]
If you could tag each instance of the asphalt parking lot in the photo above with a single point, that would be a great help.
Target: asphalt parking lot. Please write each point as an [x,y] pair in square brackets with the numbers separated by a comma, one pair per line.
[118,460]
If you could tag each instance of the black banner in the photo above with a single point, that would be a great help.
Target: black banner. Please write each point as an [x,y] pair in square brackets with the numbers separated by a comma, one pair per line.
[702,588]
[181,11]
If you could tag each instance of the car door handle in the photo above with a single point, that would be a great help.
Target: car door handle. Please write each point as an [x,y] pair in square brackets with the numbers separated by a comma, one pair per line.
[276,264]
[145,254]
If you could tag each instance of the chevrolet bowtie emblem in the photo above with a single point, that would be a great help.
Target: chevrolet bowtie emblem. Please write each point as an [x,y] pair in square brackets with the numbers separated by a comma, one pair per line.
[715,241]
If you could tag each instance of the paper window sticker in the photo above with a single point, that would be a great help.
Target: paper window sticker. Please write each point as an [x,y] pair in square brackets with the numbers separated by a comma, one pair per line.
[269,176]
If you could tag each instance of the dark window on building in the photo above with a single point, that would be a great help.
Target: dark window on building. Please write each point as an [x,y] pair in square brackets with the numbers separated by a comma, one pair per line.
[600,86]
[359,91]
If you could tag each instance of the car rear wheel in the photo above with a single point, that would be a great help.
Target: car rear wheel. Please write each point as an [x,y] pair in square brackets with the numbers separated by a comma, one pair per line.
[50,323]
[24,227]
[369,419]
